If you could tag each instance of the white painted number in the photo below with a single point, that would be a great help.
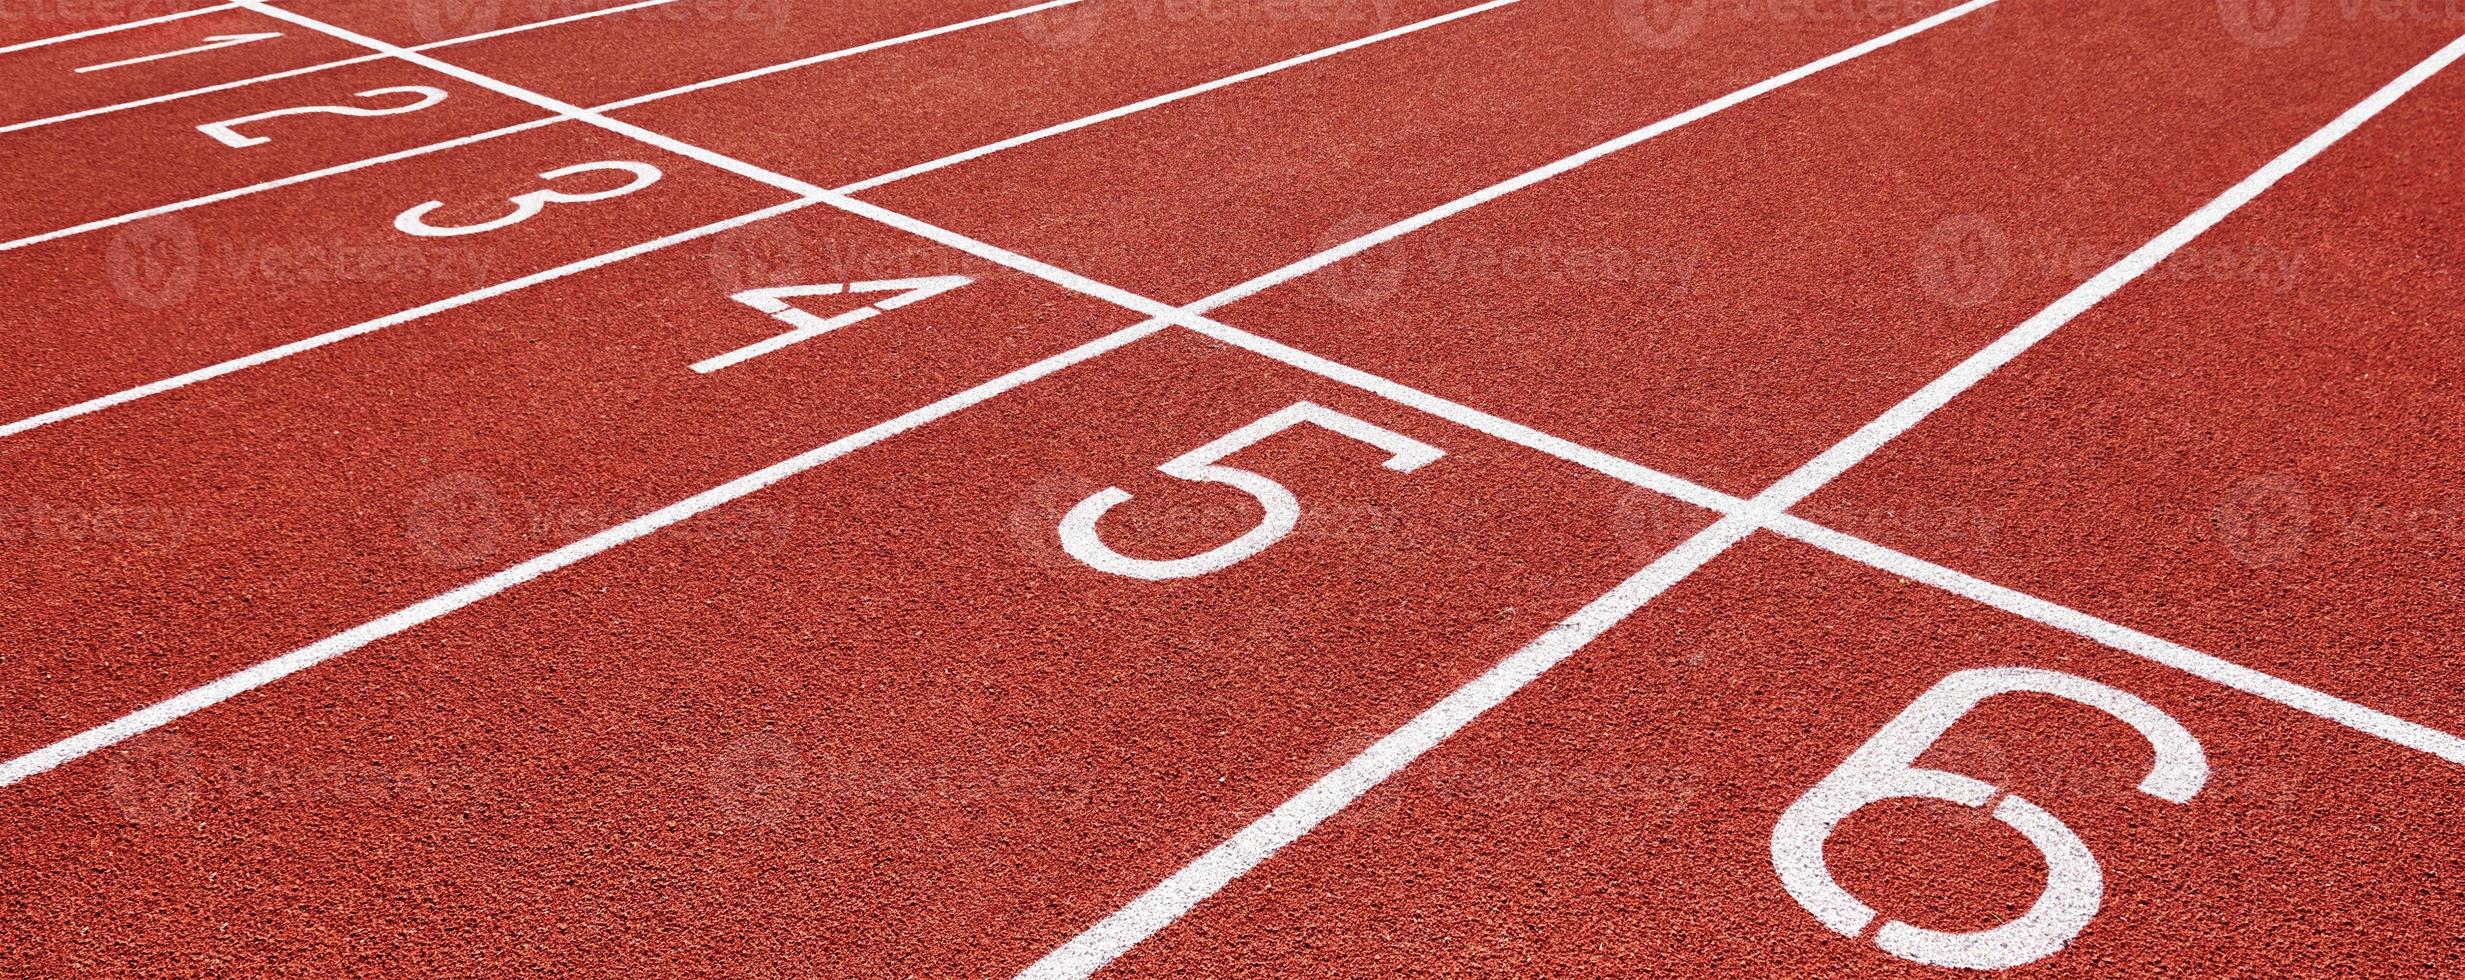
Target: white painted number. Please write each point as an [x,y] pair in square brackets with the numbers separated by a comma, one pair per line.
[773,300]
[413,221]
[227,132]
[1884,769]
[1078,527]
[213,42]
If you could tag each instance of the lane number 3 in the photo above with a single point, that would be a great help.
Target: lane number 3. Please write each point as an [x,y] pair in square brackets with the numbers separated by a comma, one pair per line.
[1283,512]
[415,220]
[1885,769]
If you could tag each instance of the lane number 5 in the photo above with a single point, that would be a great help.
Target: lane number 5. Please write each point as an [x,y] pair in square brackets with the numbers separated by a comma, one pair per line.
[414,221]
[1885,768]
[1078,527]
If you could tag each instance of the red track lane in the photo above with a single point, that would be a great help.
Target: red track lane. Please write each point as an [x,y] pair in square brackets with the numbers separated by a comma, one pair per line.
[257,272]
[45,82]
[104,166]
[413,22]
[159,545]
[1722,302]
[1617,816]
[608,58]
[917,102]
[2252,450]
[34,20]
[908,735]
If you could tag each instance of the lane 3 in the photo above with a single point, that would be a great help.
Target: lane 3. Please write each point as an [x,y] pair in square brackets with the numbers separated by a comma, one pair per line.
[972,88]
[1724,300]
[2244,451]
[105,166]
[907,731]
[151,300]
[1620,814]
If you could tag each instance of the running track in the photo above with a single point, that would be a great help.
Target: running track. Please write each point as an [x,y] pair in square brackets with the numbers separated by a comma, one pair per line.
[1255,487]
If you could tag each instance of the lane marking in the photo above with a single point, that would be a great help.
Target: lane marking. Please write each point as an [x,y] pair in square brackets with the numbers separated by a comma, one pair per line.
[1170,97]
[1172,898]
[112,28]
[391,320]
[197,699]
[213,42]
[773,300]
[933,32]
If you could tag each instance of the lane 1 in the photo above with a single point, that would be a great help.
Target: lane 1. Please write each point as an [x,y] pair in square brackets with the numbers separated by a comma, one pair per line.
[907,731]
[145,61]
[900,106]
[1622,813]
[603,59]
[1723,301]
[105,166]
[34,20]
[2248,450]
[154,546]
[142,302]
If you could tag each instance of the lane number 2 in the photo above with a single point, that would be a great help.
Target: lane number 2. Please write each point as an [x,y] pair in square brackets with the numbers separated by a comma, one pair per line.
[414,221]
[227,131]
[1885,768]
[1078,527]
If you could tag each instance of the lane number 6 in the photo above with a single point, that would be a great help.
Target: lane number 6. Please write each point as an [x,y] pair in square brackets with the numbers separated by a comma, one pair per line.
[1078,527]
[414,221]
[1885,768]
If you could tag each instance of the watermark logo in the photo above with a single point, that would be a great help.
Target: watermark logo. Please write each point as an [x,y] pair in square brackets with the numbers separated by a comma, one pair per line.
[757,255]
[758,779]
[154,779]
[2264,521]
[1660,24]
[1366,279]
[457,521]
[2264,23]
[1062,28]
[153,264]
[1964,261]
[437,20]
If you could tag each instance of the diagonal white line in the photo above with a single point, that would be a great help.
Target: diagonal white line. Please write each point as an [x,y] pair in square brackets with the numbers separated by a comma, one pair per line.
[114,28]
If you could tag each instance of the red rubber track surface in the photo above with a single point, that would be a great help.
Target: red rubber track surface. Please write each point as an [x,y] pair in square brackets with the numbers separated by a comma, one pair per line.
[870,714]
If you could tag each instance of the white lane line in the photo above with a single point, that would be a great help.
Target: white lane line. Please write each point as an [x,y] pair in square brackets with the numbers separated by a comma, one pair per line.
[1494,191]
[833,55]
[184,93]
[1176,895]
[2421,738]
[230,686]
[113,28]
[214,42]
[391,320]
[302,178]
[1169,97]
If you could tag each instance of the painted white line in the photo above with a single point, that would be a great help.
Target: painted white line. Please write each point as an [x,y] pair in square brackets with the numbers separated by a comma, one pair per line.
[1172,898]
[1169,97]
[197,699]
[312,69]
[391,320]
[2369,721]
[113,28]
[302,178]
[834,55]
[214,42]
[1494,191]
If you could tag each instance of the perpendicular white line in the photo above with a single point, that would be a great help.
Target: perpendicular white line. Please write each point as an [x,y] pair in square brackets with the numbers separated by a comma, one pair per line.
[1169,97]
[225,688]
[809,60]
[1865,441]
[1159,906]
[300,178]
[2215,669]
[391,320]
[114,28]
[1528,178]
